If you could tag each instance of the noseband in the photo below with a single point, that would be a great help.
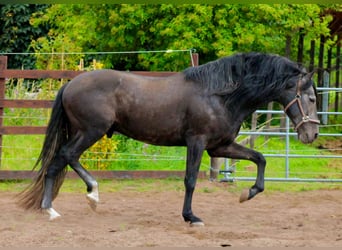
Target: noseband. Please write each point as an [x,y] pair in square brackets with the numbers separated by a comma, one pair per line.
[297,99]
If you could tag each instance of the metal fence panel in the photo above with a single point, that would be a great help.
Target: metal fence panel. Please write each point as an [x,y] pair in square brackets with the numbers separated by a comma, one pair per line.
[229,170]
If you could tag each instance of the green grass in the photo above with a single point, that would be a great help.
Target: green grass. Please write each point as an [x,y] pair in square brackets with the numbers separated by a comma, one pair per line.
[300,168]
[20,153]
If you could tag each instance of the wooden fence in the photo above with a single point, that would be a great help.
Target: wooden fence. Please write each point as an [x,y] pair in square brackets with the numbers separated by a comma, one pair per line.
[29,130]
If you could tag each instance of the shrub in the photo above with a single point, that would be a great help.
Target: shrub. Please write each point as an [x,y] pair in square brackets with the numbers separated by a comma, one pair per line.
[99,156]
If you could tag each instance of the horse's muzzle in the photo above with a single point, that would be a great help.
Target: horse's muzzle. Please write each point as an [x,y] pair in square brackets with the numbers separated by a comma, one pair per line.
[306,137]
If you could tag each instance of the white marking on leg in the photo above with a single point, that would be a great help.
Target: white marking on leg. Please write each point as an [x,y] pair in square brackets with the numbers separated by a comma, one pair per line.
[93,196]
[53,213]
[197,224]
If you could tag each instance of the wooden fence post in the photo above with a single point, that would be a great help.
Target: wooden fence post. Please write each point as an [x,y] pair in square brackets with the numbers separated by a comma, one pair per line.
[194,59]
[3,66]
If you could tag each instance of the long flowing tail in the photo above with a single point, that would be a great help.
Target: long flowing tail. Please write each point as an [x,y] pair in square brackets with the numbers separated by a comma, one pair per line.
[56,136]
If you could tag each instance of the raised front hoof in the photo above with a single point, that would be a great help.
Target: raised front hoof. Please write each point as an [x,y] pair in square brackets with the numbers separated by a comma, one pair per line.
[248,194]
[92,201]
[244,195]
[53,215]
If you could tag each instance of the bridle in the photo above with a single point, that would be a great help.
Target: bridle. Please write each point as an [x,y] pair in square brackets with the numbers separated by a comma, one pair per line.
[297,99]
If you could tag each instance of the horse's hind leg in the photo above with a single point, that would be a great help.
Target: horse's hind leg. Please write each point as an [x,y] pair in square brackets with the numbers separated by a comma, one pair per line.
[70,154]
[56,167]
[92,185]
[73,151]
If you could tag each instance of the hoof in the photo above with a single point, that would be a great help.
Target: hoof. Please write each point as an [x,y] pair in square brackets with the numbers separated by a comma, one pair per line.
[197,224]
[52,214]
[92,200]
[244,195]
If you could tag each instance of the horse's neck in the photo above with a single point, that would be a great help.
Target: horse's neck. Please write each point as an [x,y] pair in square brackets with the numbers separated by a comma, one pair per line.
[242,112]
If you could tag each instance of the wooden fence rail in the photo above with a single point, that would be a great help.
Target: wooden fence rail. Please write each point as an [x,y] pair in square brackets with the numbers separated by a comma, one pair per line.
[26,130]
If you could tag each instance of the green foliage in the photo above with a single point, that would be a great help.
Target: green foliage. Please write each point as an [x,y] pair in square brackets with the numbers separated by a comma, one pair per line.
[100,155]
[213,30]
[16,32]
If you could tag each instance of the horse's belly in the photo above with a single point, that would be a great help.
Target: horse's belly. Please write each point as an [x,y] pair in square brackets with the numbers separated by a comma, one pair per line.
[165,131]
[161,139]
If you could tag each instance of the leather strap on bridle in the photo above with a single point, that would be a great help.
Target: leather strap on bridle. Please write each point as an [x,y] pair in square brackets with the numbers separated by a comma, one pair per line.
[305,118]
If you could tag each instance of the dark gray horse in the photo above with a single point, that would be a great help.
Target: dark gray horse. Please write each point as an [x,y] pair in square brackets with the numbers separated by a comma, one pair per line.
[201,108]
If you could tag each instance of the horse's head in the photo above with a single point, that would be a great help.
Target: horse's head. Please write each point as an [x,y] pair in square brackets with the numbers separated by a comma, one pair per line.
[300,105]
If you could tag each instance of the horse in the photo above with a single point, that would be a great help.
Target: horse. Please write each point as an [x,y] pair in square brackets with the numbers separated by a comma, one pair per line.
[200,108]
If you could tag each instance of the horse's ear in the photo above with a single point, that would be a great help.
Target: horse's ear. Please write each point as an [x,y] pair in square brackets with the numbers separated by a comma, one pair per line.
[308,76]
[306,80]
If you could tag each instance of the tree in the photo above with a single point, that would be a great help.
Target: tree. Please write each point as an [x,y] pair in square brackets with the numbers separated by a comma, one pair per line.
[16,32]
[213,30]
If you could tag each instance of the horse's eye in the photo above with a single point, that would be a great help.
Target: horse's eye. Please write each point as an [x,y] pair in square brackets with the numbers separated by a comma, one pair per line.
[312,99]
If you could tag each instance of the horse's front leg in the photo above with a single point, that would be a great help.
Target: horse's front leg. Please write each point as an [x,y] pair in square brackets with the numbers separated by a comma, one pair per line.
[193,161]
[237,151]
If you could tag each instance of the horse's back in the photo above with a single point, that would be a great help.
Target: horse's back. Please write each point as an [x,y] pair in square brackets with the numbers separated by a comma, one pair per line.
[150,109]
[92,80]
[110,79]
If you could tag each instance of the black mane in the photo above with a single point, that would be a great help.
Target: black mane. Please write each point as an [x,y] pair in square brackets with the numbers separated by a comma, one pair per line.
[252,75]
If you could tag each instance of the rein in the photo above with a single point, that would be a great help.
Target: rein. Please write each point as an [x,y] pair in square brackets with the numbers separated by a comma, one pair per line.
[305,118]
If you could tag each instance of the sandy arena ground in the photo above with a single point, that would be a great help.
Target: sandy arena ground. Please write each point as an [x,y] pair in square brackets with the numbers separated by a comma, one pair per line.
[153,218]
